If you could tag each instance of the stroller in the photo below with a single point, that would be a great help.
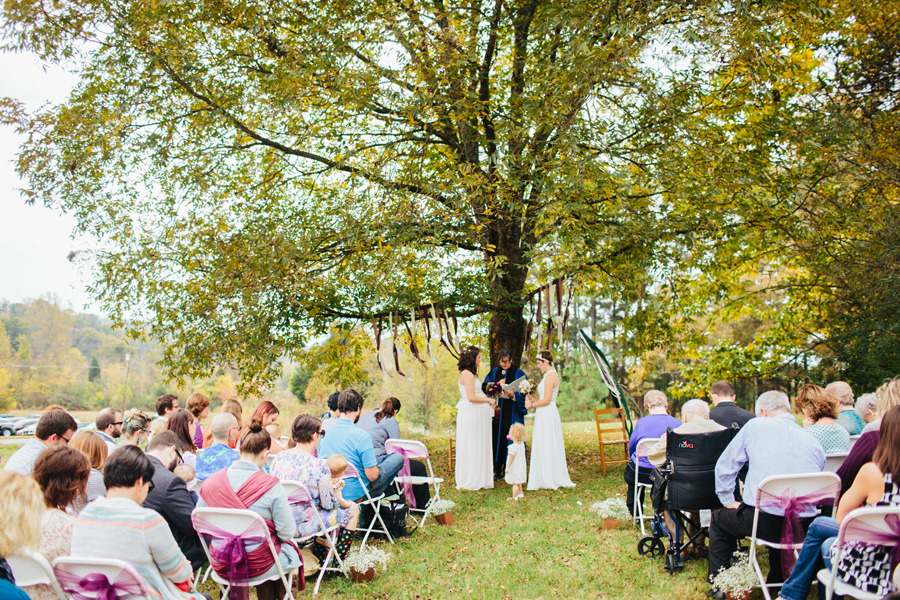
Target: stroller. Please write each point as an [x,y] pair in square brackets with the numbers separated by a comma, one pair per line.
[685,483]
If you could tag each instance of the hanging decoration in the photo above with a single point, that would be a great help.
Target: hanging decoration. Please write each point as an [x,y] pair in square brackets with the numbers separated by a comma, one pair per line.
[412,343]
[396,324]
[376,327]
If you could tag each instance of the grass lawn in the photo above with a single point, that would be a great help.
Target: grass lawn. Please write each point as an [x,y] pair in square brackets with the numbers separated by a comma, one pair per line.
[7,450]
[545,546]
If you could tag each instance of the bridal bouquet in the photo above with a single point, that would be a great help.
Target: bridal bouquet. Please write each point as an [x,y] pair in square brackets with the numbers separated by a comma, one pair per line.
[525,387]
[494,390]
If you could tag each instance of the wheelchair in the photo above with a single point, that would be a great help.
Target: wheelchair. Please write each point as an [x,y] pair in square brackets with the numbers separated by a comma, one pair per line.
[685,483]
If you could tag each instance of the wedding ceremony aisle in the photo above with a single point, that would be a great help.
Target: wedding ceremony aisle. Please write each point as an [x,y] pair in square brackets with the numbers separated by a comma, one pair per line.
[544,546]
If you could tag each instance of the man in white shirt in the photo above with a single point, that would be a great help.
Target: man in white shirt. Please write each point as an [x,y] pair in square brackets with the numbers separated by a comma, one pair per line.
[55,428]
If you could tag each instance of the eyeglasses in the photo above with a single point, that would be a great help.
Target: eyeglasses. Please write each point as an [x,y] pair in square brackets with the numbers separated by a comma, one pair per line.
[322,433]
[118,422]
[178,454]
[150,484]
[65,439]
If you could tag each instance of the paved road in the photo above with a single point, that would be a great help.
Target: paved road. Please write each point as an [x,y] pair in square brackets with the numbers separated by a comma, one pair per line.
[13,441]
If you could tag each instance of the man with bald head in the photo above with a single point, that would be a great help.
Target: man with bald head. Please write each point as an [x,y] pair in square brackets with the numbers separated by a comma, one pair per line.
[220,454]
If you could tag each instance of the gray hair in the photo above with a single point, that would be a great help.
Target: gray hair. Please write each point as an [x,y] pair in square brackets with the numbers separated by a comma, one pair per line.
[842,391]
[695,407]
[221,424]
[773,401]
[866,403]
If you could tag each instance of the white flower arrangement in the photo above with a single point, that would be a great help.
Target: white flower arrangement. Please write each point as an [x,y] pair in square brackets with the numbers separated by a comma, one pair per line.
[362,560]
[525,387]
[737,578]
[439,507]
[611,508]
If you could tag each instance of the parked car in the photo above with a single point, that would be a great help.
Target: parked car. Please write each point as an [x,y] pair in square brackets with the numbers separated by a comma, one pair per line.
[28,430]
[7,429]
[25,423]
[86,426]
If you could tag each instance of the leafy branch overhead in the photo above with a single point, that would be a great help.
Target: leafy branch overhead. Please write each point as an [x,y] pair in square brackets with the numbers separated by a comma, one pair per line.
[254,172]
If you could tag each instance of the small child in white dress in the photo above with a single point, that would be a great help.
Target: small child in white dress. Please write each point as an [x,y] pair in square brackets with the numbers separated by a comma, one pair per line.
[516,470]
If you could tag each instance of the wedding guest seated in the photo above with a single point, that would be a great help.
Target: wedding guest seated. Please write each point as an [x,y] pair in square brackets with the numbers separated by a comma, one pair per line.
[821,411]
[654,425]
[180,424]
[109,427]
[847,417]
[234,408]
[300,464]
[867,408]
[170,497]
[771,444]
[62,474]
[188,475]
[886,398]
[865,566]
[54,428]
[243,485]
[329,417]
[95,448]
[382,425]
[219,454]
[267,413]
[862,450]
[20,525]
[274,430]
[694,419]
[135,428]
[724,411]
[198,405]
[166,405]
[118,527]
[344,437]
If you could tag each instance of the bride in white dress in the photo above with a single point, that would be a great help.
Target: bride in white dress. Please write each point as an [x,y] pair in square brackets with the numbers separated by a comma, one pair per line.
[548,449]
[474,467]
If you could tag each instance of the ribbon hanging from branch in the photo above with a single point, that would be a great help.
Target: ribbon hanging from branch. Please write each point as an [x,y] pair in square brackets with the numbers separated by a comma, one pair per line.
[412,344]
[428,336]
[376,327]
[396,324]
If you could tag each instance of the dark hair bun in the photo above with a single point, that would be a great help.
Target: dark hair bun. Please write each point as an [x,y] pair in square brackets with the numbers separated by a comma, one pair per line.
[255,425]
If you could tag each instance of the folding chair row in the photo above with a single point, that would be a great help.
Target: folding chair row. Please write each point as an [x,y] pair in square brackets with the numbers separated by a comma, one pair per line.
[77,577]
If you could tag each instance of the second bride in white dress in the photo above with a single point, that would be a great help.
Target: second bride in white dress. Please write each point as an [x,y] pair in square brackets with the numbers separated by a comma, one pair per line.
[548,448]
[474,465]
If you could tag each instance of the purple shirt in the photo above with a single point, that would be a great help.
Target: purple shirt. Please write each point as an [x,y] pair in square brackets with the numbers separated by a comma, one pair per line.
[651,426]
[198,436]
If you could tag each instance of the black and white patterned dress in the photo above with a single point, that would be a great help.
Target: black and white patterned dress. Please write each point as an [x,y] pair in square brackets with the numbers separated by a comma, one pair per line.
[868,566]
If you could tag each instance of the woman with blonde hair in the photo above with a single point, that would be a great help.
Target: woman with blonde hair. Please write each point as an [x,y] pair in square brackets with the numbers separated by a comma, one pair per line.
[886,397]
[93,446]
[62,472]
[21,507]
[654,424]
[821,410]
[198,404]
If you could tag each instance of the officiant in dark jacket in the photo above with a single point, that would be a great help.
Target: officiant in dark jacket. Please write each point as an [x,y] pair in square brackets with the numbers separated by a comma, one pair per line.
[510,408]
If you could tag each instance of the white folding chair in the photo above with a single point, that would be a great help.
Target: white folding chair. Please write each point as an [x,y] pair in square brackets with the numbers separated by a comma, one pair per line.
[834,461]
[71,571]
[859,526]
[210,522]
[415,449]
[853,440]
[30,568]
[820,488]
[641,451]
[299,494]
[374,503]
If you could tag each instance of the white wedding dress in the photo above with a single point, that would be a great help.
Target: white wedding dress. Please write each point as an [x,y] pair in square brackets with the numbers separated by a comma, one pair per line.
[548,449]
[474,468]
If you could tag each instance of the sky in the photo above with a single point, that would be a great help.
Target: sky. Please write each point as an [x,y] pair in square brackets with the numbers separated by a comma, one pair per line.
[35,241]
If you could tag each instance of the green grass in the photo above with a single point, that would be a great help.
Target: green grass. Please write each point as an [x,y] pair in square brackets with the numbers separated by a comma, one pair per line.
[6,451]
[545,546]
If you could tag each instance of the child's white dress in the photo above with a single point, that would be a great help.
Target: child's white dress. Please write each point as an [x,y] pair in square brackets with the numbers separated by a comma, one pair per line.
[518,471]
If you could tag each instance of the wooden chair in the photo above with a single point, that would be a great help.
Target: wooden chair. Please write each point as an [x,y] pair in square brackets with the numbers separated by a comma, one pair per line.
[611,421]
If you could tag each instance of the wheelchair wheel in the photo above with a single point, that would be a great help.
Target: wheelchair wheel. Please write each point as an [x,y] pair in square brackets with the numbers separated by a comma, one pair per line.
[651,546]
[670,563]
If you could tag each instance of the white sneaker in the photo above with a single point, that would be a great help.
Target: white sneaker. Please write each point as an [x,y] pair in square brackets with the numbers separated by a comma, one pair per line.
[522,495]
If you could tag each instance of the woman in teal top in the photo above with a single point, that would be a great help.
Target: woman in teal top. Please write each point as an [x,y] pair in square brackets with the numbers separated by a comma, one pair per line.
[821,411]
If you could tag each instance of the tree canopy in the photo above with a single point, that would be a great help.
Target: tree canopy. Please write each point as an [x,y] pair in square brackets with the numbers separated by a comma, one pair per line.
[254,172]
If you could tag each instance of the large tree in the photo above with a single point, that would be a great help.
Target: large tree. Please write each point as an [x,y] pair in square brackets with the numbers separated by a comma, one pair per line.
[253,171]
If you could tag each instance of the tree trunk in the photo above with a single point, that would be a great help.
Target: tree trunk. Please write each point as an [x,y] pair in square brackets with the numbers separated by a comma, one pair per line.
[507,328]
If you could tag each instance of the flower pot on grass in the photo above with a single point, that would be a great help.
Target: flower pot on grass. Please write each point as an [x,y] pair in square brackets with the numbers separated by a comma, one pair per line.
[610,523]
[359,576]
[445,518]
[742,595]
[611,510]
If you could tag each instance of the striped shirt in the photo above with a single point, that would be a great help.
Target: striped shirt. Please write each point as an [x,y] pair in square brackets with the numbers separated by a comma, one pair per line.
[121,529]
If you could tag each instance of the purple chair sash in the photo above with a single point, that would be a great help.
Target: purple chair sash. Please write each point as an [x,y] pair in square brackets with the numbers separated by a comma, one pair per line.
[230,551]
[99,587]
[793,505]
[859,530]
[405,472]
